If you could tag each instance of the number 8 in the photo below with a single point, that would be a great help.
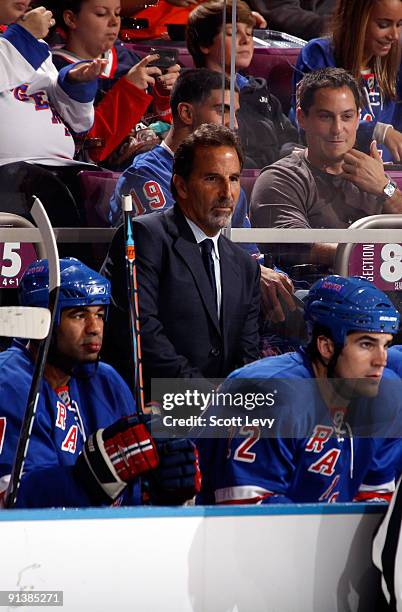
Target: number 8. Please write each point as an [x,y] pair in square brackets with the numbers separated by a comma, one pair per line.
[391,268]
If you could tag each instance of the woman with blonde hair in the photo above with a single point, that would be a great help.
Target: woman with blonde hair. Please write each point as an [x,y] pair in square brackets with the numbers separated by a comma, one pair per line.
[365,40]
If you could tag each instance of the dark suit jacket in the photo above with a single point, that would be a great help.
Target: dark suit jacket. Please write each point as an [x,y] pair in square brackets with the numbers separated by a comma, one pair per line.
[181,335]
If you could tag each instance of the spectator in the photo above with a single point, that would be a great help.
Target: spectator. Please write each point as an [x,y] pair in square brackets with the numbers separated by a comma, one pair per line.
[195,321]
[333,446]
[127,86]
[40,107]
[263,128]
[330,184]
[371,53]
[303,18]
[81,452]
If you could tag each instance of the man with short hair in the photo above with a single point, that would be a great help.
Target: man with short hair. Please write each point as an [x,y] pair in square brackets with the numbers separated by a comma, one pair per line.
[199,307]
[330,184]
[335,409]
[87,447]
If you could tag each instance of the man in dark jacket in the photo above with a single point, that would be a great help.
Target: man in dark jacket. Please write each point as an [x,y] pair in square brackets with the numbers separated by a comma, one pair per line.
[198,292]
[263,127]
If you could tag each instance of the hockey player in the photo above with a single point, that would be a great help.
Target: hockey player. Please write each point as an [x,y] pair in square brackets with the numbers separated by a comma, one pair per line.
[332,410]
[86,446]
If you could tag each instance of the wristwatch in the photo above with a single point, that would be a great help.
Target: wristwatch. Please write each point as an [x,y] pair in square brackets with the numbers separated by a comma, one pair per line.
[390,189]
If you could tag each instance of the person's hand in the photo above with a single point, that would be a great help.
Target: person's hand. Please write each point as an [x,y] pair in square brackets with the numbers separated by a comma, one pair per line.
[37,22]
[142,75]
[365,171]
[114,456]
[182,2]
[167,80]
[178,477]
[87,71]
[260,21]
[276,290]
[393,142]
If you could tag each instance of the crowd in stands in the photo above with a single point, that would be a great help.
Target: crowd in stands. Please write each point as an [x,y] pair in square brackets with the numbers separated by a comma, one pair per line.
[88,100]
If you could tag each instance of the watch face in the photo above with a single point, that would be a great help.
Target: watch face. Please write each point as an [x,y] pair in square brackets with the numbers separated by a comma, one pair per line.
[389,189]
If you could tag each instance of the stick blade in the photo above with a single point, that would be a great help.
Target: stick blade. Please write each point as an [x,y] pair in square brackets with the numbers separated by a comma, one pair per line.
[24,322]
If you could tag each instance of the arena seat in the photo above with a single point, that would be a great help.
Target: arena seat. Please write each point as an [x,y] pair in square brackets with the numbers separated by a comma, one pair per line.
[247,180]
[96,189]
[276,66]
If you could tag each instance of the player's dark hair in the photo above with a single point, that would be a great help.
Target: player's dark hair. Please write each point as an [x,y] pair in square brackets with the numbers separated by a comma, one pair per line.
[333,78]
[205,23]
[207,135]
[194,86]
[311,348]
[315,355]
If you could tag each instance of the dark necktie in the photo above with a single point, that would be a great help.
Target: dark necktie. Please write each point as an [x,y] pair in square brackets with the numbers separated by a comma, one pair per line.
[206,251]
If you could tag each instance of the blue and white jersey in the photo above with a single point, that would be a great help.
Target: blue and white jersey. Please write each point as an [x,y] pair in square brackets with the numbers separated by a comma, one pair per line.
[38,105]
[312,454]
[96,397]
[148,179]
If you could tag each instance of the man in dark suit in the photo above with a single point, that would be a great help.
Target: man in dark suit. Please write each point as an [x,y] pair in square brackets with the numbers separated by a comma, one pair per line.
[199,302]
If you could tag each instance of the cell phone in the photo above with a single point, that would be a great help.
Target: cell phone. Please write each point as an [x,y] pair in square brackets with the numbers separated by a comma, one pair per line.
[167,58]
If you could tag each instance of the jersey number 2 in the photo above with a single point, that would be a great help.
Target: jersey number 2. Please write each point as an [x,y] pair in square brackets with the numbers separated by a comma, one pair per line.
[242,452]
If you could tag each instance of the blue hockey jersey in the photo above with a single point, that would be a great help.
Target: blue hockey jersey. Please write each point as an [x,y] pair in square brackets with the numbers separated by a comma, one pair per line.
[97,397]
[311,455]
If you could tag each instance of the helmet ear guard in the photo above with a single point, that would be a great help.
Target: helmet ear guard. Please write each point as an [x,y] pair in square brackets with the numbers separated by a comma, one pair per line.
[345,305]
[79,286]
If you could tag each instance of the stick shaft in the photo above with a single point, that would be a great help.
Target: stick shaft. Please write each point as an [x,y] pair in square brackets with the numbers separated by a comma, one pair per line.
[134,312]
[43,223]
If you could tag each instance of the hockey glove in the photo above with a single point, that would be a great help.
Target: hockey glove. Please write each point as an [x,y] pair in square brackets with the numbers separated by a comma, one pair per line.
[114,456]
[178,477]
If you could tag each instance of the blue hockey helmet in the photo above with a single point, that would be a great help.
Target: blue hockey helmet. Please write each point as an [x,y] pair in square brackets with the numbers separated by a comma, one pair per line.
[79,286]
[346,305]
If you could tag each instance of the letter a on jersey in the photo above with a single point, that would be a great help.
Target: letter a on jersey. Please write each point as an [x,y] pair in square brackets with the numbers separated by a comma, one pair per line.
[326,464]
[70,441]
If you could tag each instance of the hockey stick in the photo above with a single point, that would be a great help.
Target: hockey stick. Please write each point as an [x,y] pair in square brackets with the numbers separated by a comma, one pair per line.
[42,221]
[133,307]
[24,322]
